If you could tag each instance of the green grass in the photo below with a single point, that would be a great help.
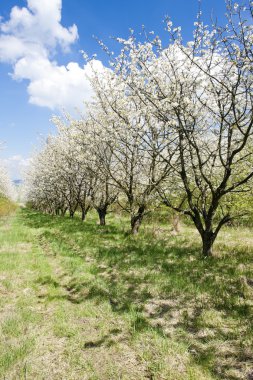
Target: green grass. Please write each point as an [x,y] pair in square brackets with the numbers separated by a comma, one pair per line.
[80,301]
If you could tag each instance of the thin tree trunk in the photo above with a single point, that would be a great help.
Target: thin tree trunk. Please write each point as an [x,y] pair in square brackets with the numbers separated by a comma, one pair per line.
[63,211]
[83,215]
[136,220]
[135,224]
[102,215]
[176,223]
[84,212]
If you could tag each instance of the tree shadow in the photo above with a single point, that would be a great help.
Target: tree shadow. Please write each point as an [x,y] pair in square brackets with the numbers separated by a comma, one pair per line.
[165,281]
[129,265]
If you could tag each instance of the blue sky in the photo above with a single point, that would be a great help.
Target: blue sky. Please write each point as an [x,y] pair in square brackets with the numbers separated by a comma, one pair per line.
[38,42]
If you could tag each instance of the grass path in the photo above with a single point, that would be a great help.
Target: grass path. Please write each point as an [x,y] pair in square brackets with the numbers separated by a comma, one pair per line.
[59,321]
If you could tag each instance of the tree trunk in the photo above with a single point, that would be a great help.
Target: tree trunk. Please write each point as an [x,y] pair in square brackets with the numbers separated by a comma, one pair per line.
[136,220]
[102,215]
[206,232]
[176,223]
[71,214]
[83,215]
[85,210]
[63,211]
[208,238]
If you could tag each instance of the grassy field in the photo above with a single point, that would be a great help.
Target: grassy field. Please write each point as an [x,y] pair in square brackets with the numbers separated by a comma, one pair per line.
[6,207]
[79,301]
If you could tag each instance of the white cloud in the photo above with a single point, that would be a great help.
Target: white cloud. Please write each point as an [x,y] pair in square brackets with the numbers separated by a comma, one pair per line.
[38,26]
[16,165]
[28,41]
[55,86]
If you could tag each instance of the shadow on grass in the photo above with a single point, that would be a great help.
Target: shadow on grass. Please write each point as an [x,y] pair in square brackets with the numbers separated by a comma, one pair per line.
[35,219]
[130,266]
[163,279]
